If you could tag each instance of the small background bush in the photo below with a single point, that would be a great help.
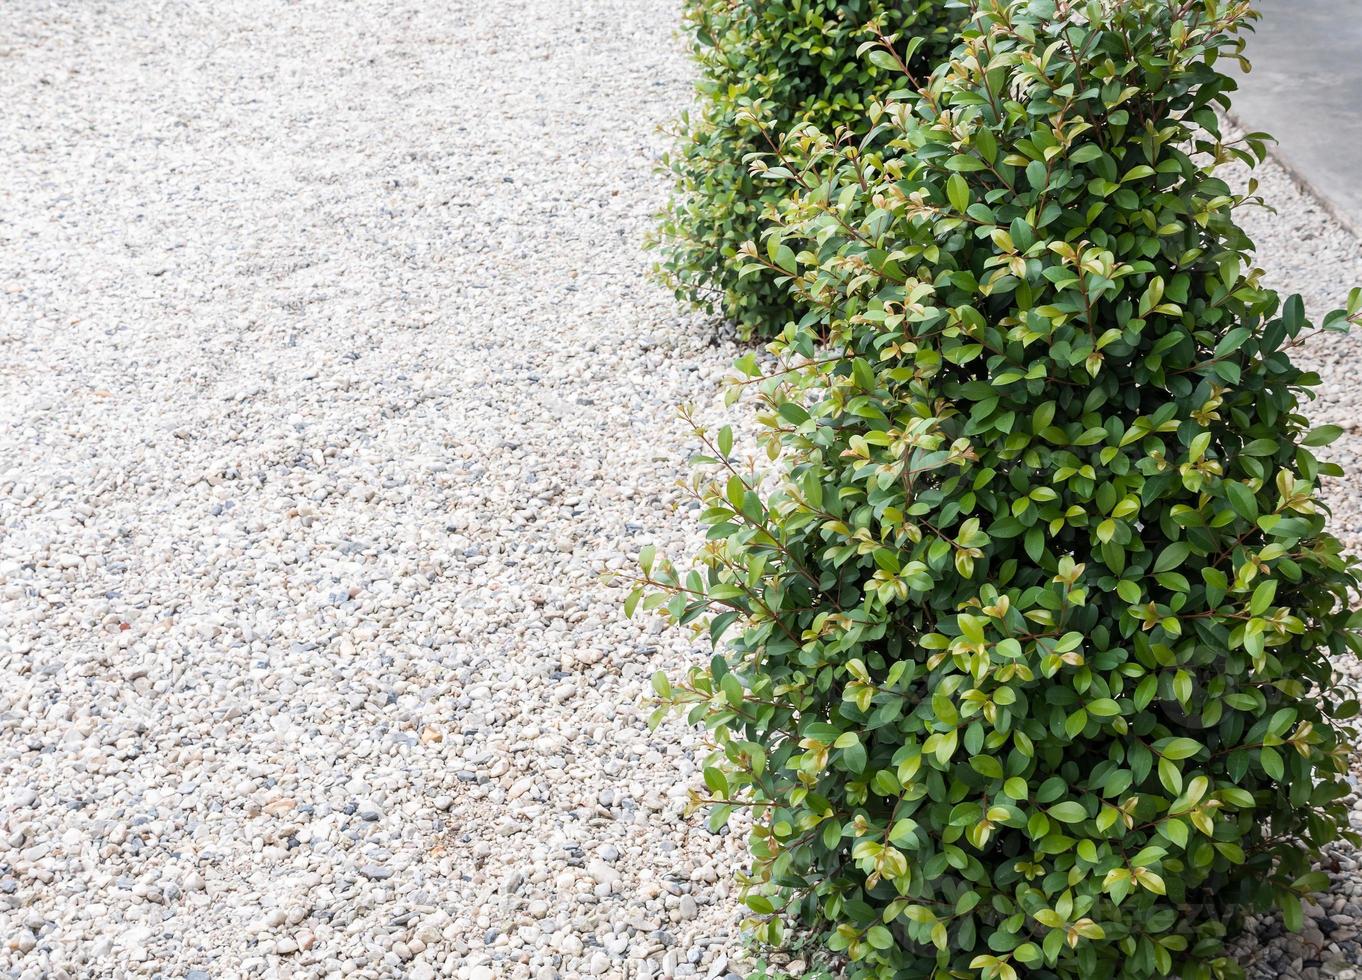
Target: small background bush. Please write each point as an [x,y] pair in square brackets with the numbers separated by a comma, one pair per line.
[766,65]
[1031,665]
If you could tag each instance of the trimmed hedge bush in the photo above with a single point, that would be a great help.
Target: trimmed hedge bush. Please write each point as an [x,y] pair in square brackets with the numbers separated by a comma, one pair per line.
[766,65]
[1029,667]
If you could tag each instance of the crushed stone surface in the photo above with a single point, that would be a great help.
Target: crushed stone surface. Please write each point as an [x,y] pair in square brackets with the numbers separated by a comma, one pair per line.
[332,379]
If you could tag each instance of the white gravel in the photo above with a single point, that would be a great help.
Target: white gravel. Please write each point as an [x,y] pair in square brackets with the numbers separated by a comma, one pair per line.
[331,379]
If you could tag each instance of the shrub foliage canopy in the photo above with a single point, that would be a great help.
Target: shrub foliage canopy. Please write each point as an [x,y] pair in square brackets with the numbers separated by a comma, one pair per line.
[1027,667]
[765,66]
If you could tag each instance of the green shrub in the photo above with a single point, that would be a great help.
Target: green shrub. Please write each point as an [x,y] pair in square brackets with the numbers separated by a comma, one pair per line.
[1029,671]
[766,65]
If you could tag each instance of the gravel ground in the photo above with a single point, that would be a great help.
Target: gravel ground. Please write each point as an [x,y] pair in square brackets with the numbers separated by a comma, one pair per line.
[331,381]
[331,378]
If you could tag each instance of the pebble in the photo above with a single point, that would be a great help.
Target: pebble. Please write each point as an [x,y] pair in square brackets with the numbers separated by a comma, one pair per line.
[324,409]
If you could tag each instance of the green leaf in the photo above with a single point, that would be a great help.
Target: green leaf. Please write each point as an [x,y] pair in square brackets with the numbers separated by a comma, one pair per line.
[1070,811]
[1172,556]
[1241,500]
[1104,708]
[964,163]
[903,832]
[957,191]
[661,686]
[732,688]
[880,937]
[1178,748]
[882,59]
[1322,435]
[1170,776]
[1292,915]
[986,765]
